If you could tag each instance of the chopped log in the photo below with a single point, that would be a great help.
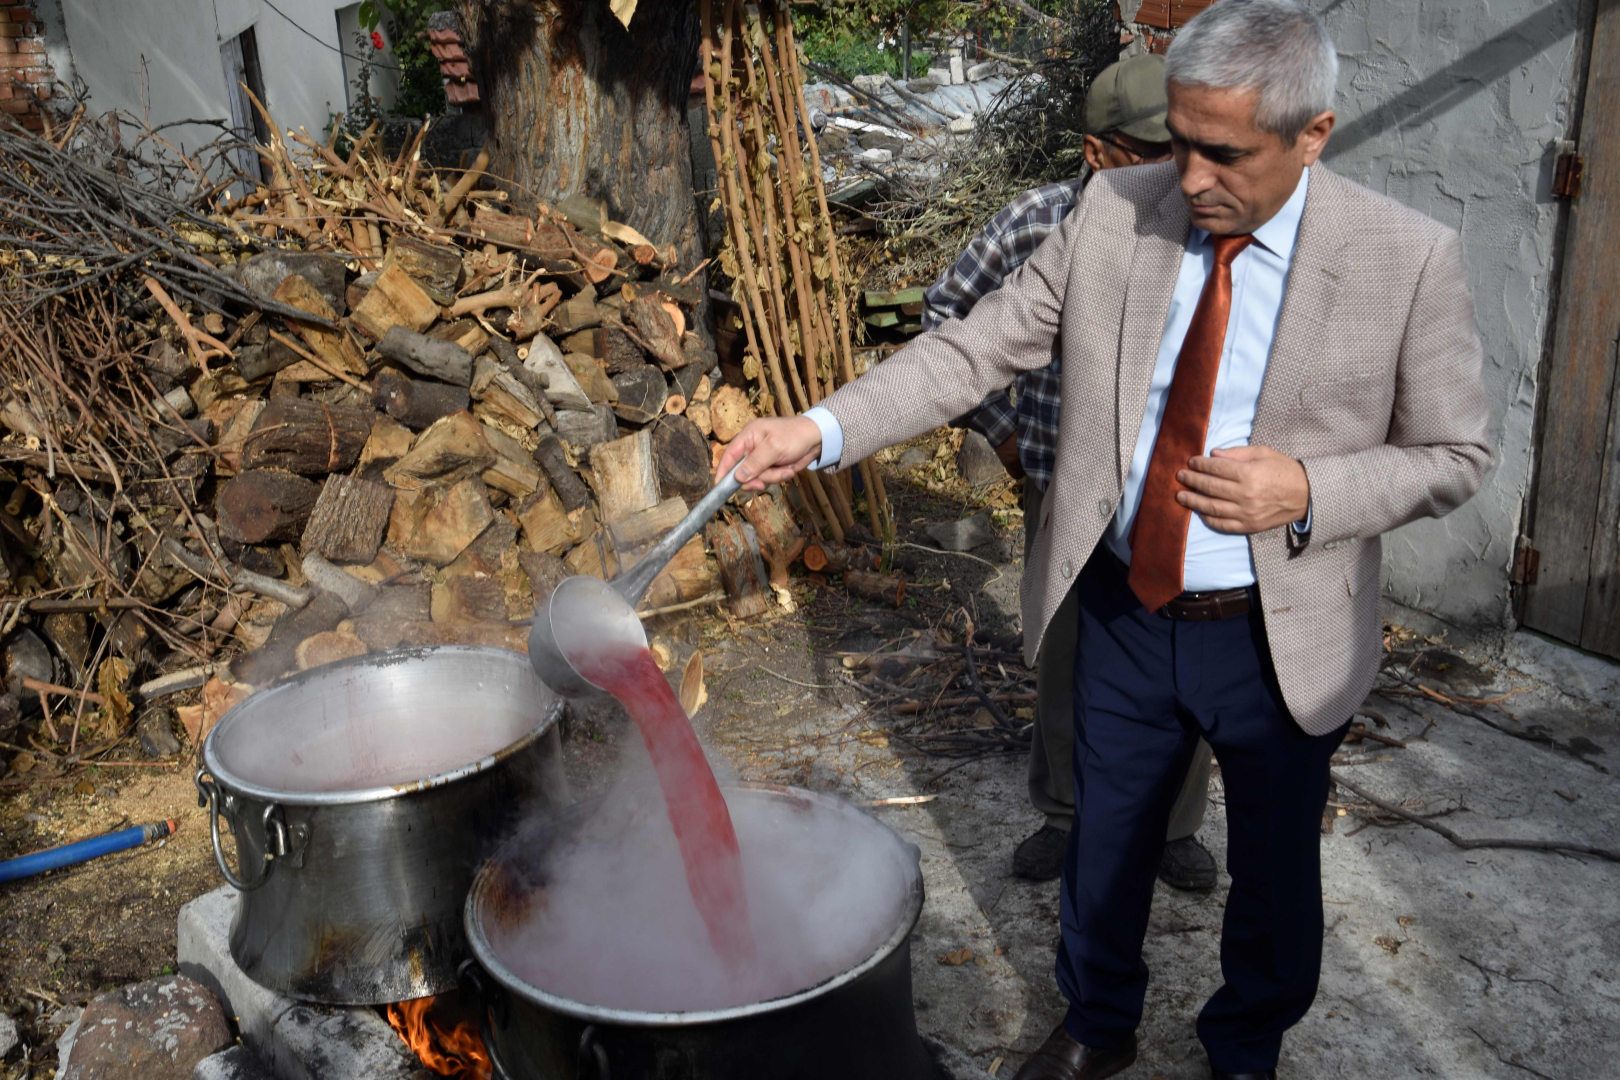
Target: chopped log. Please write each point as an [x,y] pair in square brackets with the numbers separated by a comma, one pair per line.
[704,389]
[545,572]
[349,520]
[233,432]
[698,413]
[780,541]
[334,347]
[328,647]
[633,535]
[464,332]
[307,437]
[501,227]
[513,470]
[501,393]
[690,574]
[682,454]
[444,520]
[279,652]
[730,412]
[686,381]
[414,403]
[442,360]
[254,362]
[693,693]
[578,312]
[263,506]
[624,476]
[533,311]
[389,442]
[382,625]
[658,330]
[594,557]
[445,454]
[356,594]
[880,588]
[588,428]
[674,405]
[617,350]
[547,526]
[741,569]
[642,393]
[498,635]
[435,266]
[592,378]
[395,300]
[545,360]
[831,559]
[468,596]
[553,461]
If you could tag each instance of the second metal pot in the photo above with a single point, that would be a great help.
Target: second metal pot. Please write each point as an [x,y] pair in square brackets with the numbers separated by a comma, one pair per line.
[359,820]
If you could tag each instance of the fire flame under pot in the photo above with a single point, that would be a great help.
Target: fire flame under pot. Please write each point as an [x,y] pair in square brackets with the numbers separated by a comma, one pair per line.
[587,968]
[362,796]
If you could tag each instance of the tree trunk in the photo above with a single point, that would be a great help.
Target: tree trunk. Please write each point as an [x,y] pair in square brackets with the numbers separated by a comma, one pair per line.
[579,105]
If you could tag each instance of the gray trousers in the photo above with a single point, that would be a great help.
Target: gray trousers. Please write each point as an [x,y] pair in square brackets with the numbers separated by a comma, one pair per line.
[1051,751]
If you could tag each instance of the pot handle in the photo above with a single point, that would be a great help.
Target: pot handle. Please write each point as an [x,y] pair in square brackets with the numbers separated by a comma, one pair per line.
[208,795]
[471,982]
[593,1060]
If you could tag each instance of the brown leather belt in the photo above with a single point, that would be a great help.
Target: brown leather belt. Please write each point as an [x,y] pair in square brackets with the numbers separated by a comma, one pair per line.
[1195,606]
[1209,606]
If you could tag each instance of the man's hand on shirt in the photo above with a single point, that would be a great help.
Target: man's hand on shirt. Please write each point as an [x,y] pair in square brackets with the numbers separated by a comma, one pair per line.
[772,449]
[1247,489]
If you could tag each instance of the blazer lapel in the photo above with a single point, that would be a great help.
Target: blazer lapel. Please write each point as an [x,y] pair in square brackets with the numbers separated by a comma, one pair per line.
[1154,267]
[1314,281]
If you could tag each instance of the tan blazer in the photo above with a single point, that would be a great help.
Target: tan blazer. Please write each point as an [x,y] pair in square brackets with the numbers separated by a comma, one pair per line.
[1373,384]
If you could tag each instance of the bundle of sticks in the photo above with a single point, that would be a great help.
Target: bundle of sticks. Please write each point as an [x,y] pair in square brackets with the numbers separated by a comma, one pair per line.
[780,251]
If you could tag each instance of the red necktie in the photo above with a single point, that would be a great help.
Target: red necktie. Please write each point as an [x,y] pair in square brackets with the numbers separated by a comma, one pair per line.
[1159,535]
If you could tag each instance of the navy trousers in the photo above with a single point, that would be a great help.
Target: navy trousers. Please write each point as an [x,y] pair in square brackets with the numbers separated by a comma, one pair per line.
[1145,688]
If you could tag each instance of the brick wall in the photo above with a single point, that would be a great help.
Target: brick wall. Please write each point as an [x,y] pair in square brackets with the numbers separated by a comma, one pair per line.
[25,71]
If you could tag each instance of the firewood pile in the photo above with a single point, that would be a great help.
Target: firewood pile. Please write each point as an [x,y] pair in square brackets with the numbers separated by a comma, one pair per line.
[364,404]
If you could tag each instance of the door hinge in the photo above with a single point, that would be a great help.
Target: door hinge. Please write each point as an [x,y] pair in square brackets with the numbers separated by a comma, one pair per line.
[1567,172]
[1526,563]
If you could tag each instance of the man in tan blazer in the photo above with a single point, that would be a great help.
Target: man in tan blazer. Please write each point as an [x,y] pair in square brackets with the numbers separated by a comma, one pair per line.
[1265,367]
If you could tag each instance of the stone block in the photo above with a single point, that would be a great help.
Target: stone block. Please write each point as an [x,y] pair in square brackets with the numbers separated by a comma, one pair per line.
[881,140]
[877,156]
[941,76]
[977,461]
[296,1041]
[981,71]
[153,1030]
[872,84]
[960,125]
[964,535]
[237,1063]
[958,75]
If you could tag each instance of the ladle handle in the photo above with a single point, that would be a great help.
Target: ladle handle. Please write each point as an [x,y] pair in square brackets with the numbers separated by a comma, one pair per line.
[633,585]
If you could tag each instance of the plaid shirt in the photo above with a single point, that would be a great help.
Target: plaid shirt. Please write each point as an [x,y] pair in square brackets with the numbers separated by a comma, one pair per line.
[1001,247]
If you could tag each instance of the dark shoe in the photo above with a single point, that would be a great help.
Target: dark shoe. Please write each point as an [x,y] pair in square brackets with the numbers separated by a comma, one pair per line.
[1186,865]
[1216,1074]
[1061,1058]
[1040,857]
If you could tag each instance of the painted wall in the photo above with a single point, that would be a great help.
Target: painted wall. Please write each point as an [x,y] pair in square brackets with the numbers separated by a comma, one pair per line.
[161,57]
[1453,107]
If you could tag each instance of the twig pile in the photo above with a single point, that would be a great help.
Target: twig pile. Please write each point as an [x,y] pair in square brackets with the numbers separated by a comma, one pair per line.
[779,249]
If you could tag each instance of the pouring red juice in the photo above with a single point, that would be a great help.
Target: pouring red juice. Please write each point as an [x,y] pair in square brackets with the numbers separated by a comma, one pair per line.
[697,809]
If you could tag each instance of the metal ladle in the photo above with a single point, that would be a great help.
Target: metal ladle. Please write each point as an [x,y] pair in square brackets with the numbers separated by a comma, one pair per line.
[586,614]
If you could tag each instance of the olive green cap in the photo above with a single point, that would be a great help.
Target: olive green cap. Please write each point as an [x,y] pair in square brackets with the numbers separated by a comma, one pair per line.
[1130,97]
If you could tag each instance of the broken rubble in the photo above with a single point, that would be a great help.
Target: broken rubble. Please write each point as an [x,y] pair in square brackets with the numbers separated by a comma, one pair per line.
[154,1030]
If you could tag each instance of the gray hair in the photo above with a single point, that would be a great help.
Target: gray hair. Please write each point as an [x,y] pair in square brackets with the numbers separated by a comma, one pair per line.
[1273,47]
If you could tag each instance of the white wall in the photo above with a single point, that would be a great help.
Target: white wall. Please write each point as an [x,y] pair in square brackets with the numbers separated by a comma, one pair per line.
[161,58]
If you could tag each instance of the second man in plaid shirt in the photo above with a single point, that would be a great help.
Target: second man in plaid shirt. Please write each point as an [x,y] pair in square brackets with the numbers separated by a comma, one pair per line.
[1124,121]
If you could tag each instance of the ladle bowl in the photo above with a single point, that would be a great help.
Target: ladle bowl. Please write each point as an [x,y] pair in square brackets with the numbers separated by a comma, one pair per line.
[586,615]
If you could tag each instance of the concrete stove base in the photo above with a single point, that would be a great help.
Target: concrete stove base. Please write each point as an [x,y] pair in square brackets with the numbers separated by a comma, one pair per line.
[288,1040]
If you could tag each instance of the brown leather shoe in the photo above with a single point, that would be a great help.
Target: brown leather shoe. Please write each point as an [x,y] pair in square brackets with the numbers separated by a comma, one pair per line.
[1061,1058]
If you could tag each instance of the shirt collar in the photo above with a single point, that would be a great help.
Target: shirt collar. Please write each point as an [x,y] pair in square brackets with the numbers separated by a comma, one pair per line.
[1280,233]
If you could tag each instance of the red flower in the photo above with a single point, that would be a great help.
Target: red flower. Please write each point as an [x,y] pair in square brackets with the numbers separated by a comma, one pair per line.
[376,39]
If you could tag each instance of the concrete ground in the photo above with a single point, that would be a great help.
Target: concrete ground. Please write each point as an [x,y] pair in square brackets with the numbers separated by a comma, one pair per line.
[1437,961]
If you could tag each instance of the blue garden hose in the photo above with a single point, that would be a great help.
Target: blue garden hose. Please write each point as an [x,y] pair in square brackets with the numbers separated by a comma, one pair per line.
[84,850]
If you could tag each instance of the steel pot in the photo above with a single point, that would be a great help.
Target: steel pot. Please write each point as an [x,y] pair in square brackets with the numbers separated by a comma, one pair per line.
[858,1025]
[359,819]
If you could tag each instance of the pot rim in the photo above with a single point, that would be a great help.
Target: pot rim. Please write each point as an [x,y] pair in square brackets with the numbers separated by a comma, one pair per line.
[235,785]
[512,983]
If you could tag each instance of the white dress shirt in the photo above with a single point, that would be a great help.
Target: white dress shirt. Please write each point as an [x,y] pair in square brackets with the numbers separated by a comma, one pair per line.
[1259,279]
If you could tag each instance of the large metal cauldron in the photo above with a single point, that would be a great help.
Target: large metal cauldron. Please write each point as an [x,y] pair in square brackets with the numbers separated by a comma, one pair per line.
[858,1025]
[362,796]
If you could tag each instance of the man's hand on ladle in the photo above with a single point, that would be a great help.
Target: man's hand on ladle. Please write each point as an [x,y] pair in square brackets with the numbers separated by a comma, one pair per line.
[772,449]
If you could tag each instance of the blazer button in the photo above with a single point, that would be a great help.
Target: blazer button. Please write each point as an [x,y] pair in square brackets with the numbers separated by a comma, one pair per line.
[1068,569]
[1105,508]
